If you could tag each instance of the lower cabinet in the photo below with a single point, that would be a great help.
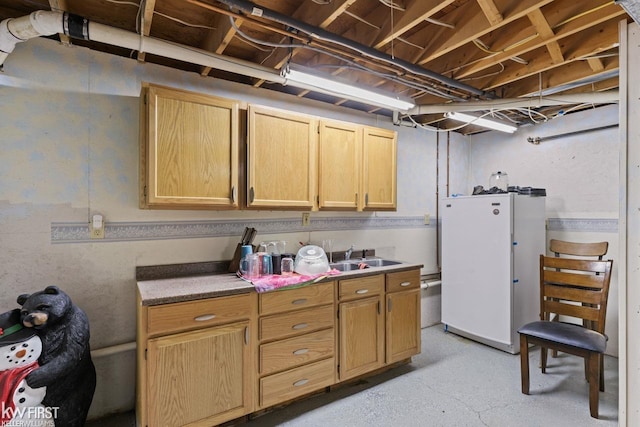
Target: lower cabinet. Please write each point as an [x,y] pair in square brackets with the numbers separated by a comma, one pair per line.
[206,362]
[180,395]
[361,320]
[196,362]
[403,315]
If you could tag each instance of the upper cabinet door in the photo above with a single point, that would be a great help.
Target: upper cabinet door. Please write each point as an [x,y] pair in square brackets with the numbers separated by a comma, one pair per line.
[379,169]
[190,154]
[340,148]
[282,157]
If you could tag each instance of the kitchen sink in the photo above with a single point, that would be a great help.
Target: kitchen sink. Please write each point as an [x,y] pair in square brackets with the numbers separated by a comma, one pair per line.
[379,262]
[354,264]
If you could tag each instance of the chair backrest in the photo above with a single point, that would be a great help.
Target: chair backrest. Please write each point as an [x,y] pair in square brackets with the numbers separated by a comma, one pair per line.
[561,247]
[575,287]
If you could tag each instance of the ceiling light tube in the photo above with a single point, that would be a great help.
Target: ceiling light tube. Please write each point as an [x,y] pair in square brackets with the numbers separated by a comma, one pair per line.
[332,86]
[481,121]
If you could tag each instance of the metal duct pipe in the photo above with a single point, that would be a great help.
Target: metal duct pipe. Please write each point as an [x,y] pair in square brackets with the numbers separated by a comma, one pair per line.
[250,8]
[537,140]
[45,23]
[608,97]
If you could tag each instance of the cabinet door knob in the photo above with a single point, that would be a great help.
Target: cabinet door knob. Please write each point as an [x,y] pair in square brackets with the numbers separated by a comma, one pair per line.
[299,301]
[366,199]
[204,317]
[300,382]
[251,195]
[233,194]
[299,326]
[362,291]
[301,351]
[403,284]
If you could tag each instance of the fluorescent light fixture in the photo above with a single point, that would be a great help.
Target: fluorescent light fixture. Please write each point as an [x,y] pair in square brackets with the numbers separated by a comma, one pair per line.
[332,86]
[481,121]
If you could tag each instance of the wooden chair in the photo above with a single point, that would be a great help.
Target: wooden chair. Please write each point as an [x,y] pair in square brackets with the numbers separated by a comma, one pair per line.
[561,247]
[577,288]
[574,249]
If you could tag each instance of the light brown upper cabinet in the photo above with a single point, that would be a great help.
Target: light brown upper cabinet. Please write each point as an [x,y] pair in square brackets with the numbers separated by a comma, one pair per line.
[282,159]
[189,150]
[357,167]
[339,160]
[379,174]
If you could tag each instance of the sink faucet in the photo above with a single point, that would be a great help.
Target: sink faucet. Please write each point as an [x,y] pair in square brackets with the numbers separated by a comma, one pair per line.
[347,254]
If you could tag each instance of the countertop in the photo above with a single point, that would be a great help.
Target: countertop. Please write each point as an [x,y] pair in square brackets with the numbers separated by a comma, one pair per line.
[164,291]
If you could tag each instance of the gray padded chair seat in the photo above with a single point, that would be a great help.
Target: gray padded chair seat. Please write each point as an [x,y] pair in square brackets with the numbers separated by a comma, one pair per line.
[566,333]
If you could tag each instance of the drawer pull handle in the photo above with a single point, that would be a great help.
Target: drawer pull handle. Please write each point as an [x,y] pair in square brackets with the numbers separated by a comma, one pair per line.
[403,284]
[299,301]
[301,351]
[204,317]
[300,382]
[299,326]
[362,291]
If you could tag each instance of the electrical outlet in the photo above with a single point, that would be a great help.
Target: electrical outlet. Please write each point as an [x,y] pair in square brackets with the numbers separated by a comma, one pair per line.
[96,233]
[427,219]
[306,219]
[96,227]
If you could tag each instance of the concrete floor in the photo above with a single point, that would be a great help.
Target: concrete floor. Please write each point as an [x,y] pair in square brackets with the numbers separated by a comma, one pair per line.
[454,382]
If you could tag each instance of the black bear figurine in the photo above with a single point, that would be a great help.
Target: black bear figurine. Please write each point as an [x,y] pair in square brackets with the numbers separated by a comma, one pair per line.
[65,363]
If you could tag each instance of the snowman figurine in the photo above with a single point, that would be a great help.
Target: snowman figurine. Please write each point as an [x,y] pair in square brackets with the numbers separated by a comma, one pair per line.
[20,348]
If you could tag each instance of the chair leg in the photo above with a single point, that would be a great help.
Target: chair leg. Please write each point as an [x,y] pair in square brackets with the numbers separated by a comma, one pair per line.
[524,364]
[594,367]
[543,359]
[602,372]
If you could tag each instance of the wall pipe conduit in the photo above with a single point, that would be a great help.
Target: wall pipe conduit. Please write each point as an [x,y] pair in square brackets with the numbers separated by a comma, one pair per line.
[46,23]
[537,140]
[250,8]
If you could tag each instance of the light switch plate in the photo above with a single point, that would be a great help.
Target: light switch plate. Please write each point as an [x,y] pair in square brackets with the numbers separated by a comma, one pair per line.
[306,219]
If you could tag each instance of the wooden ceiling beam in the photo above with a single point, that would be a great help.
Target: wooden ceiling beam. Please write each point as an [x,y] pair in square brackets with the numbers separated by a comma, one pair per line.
[545,32]
[587,43]
[217,40]
[61,5]
[471,24]
[567,74]
[608,12]
[147,19]
[414,14]
[595,64]
[491,11]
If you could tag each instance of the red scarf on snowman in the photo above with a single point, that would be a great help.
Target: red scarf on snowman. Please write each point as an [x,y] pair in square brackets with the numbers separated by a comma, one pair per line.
[9,381]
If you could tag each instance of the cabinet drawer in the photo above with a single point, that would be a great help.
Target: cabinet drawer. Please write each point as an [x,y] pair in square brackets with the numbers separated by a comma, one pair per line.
[361,288]
[285,354]
[295,382]
[296,323]
[403,280]
[169,318]
[294,299]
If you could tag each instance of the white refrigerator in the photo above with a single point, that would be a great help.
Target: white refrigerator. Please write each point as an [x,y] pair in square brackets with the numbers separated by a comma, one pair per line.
[490,266]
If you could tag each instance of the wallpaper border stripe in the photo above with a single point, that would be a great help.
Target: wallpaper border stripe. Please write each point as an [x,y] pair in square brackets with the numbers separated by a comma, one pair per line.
[76,232]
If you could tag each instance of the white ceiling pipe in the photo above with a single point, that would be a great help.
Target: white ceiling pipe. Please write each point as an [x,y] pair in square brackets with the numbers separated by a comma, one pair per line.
[45,23]
[611,96]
